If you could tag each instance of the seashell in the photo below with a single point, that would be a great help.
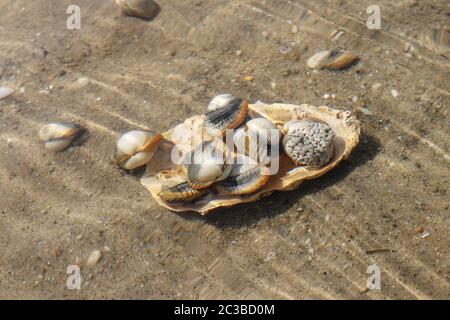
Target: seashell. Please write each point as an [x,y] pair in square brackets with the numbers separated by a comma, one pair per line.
[244,178]
[58,135]
[5,92]
[180,192]
[146,9]
[228,117]
[256,138]
[289,176]
[206,164]
[341,60]
[136,148]
[332,60]
[309,143]
[220,101]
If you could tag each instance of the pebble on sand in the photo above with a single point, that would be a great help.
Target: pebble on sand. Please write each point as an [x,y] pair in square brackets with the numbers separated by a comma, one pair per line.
[394,93]
[81,83]
[94,257]
[5,92]
[318,60]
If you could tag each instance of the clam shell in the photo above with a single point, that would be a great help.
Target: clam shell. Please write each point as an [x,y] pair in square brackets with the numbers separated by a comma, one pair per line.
[289,177]
[146,9]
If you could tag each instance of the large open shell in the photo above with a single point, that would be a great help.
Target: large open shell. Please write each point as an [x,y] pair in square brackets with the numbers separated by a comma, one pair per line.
[161,169]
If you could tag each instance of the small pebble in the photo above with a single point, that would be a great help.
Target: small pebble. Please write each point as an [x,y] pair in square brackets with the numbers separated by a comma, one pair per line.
[273,85]
[326,96]
[355,99]
[248,78]
[394,93]
[94,257]
[376,86]
[318,60]
[294,29]
[265,34]
[239,53]
[44,92]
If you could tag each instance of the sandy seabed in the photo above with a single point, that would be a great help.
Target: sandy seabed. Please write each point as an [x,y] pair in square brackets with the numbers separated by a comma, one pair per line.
[388,204]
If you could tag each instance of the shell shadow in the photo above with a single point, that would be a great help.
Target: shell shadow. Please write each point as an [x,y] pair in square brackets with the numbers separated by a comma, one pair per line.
[248,214]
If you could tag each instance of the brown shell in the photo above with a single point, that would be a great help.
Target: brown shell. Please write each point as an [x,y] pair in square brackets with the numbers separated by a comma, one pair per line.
[161,169]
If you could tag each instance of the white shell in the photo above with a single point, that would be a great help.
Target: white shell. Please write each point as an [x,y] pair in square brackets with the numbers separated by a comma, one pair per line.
[139,159]
[5,92]
[220,101]
[58,135]
[318,60]
[58,144]
[132,141]
[55,130]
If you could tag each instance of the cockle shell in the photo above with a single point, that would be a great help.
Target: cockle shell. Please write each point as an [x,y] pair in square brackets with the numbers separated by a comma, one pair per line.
[220,101]
[5,92]
[256,138]
[58,135]
[206,165]
[162,169]
[135,148]
[228,117]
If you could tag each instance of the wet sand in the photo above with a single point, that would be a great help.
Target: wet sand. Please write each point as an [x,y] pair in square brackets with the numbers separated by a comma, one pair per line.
[388,204]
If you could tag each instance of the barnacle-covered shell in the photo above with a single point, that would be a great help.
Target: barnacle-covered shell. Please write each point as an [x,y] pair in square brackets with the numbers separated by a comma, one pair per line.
[136,148]
[289,176]
[309,143]
[59,135]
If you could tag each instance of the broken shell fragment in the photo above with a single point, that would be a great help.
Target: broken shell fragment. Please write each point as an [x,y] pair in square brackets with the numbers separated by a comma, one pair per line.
[244,178]
[180,192]
[309,143]
[136,148]
[58,135]
[146,9]
[206,164]
[228,117]
[220,101]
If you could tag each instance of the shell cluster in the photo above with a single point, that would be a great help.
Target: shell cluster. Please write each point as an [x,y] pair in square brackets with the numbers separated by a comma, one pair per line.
[212,167]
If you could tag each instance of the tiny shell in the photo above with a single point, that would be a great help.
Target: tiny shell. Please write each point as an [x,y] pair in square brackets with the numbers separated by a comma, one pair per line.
[318,60]
[5,92]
